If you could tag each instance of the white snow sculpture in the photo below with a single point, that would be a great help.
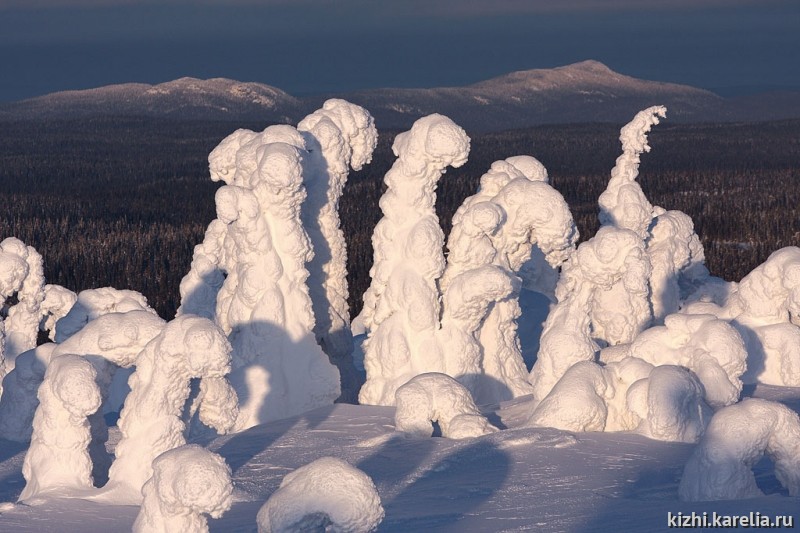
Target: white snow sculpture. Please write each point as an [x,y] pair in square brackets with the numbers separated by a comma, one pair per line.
[18,402]
[510,215]
[94,303]
[677,262]
[670,404]
[737,437]
[57,303]
[664,403]
[614,259]
[401,306]
[766,311]
[58,458]
[339,136]
[435,397]
[710,347]
[187,483]
[623,204]
[255,254]
[326,495]
[150,422]
[21,274]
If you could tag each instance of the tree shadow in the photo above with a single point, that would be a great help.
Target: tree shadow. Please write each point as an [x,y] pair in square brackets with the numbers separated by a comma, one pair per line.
[450,489]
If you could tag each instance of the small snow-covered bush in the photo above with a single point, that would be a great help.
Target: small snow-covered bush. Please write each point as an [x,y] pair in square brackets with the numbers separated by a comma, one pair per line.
[737,437]
[435,397]
[187,483]
[326,495]
[58,457]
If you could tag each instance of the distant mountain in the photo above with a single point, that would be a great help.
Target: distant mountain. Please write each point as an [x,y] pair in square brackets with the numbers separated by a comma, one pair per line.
[583,92]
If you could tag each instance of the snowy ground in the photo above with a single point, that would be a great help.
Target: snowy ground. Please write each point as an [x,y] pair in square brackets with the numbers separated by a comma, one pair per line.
[514,480]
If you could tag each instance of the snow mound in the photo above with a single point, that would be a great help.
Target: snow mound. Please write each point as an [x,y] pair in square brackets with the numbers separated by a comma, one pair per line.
[187,483]
[737,437]
[710,347]
[58,457]
[435,397]
[328,494]
[94,303]
[57,303]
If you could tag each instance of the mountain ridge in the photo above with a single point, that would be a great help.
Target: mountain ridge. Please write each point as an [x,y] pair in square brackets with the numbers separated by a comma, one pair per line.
[587,91]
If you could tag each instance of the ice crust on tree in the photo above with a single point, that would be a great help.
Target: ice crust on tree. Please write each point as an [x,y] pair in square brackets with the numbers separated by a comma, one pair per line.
[514,212]
[58,458]
[94,303]
[612,258]
[720,468]
[189,347]
[339,136]
[57,303]
[111,341]
[710,347]
[664,402]
[328,494]
[435,397]
[249,275]
[21,274]
[401,307]
[187,483]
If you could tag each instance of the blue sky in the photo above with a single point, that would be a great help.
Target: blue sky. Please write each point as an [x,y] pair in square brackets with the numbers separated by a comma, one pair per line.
[319,46]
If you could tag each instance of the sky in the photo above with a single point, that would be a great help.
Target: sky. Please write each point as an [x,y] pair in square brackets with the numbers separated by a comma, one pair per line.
[325,46]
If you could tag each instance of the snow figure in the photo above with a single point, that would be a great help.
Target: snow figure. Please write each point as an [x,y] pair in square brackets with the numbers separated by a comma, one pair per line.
[58,457]
[766,310]
[613,260]
[710,347]
[57,303]
[664,403]
[401,306]
[511,214]
[18,402]
[435,397]
[94,303]
[677,262]
[256,252]
[187,483]
[326,495]
[623,204]
[338,136]
[736,439]
[21,274]
[188,347]
[670,404]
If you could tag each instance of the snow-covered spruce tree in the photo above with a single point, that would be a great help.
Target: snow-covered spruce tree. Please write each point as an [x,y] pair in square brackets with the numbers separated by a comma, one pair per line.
[665,403]
[110,342]
[187,483]
[710,347]
[401,307]
[21,275]
[736,439]
[256,253]
[326,495]
[339,136]
[57,303]
[58,458]
[435,397]
[189,347]
[513,212]
[613,257]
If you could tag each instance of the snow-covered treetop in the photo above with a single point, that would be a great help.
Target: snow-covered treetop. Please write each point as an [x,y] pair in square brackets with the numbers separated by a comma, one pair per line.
[93,303]
[623,204]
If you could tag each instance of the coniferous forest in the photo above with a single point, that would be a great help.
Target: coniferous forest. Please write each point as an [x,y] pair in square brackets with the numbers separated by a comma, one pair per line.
[122,201]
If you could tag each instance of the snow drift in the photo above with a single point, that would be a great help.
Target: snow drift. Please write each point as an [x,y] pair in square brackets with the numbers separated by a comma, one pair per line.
[327,494]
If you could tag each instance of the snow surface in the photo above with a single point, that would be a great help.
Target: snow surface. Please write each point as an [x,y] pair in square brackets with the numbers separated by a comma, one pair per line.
[516,479]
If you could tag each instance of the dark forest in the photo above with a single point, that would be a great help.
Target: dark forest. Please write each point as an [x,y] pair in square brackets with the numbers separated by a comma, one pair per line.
[122,201]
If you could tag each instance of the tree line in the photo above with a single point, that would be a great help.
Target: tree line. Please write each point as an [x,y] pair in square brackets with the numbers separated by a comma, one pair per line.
[122,201]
